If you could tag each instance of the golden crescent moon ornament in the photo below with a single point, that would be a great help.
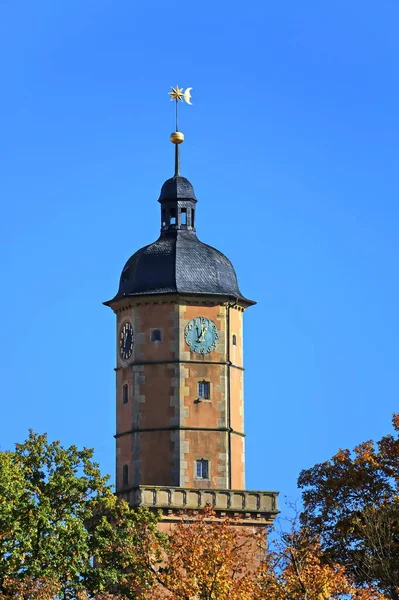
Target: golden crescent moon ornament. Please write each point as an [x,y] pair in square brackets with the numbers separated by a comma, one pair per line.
[187,95]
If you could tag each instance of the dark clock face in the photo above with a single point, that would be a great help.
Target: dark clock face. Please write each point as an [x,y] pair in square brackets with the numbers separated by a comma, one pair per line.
[201,335]
[126,341]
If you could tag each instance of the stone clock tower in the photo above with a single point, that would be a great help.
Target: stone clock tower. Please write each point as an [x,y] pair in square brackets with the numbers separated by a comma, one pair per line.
[179,373]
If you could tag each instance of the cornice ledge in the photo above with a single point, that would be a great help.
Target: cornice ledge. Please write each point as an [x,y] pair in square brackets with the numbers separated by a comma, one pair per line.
[247,505]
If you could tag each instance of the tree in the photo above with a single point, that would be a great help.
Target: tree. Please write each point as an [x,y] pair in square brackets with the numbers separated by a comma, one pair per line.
[216,559]
[209,559]
[64,534]
[352,503]
[295,570]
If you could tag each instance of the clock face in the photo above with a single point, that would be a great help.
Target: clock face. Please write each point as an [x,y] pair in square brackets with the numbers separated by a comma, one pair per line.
[126,341]
[201,335]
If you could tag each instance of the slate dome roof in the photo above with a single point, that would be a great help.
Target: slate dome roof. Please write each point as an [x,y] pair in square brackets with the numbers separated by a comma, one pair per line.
[178,262]
[177,187]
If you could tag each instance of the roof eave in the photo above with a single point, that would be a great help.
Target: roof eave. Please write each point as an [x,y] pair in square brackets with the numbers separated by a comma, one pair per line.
[221,298]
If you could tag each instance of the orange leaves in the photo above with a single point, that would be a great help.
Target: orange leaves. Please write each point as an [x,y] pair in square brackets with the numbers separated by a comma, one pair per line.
[305,574]
[210,559]
[341,456]
[351,503]
[366,454]
[29,589]
[217,559]
[296,570]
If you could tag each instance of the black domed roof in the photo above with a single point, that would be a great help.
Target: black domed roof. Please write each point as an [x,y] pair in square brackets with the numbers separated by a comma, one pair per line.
[178,262]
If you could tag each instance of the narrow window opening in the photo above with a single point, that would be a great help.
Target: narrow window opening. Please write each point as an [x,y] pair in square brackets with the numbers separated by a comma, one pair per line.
[234,339]
[192,217]
[163,217]
[156,335]
[202,469]
[172,216]
[184,216]
[204,390]
[125,475]
[125,393]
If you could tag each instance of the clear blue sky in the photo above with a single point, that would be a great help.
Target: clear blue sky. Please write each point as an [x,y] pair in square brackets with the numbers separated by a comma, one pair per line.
[292,146]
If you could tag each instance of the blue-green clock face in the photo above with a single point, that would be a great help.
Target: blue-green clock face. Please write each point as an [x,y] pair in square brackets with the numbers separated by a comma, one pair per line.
[201,335]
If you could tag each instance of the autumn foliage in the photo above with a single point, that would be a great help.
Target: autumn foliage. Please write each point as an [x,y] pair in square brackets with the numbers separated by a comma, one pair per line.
[65,536]
[351,503]
[294,569]
[216,560]
[210,558]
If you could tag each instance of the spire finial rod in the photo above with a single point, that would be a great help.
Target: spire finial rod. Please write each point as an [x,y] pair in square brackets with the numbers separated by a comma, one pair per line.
[177,137]
[177,160]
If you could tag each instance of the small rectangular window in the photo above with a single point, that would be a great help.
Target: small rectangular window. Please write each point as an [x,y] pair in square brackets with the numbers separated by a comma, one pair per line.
[156,335]
[172,216]
[192,217]
[202,469]
[125,393]
[204,390]
[125,475]
[184,216]
[234,339]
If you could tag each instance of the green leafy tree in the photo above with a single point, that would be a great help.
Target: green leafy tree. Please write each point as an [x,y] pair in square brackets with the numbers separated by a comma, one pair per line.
[63,532]
[352,503]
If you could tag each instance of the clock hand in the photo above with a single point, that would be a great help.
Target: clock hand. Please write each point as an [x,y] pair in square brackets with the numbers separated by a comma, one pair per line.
[199,333]
[203,332]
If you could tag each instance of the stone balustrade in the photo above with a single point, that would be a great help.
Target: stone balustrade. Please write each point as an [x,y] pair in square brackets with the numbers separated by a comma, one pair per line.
[249,505]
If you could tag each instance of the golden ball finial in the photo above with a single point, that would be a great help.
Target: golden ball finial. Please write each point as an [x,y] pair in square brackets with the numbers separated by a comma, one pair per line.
[177,137]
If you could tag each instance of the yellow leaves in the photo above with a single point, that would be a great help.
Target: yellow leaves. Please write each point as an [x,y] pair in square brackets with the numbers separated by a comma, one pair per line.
[350,501]
[341,456]
[32,589]
[366,594]
[297,571]
[208,558]
[366,454]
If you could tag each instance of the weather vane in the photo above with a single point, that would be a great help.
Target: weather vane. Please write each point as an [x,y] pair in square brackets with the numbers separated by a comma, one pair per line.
[177,137]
